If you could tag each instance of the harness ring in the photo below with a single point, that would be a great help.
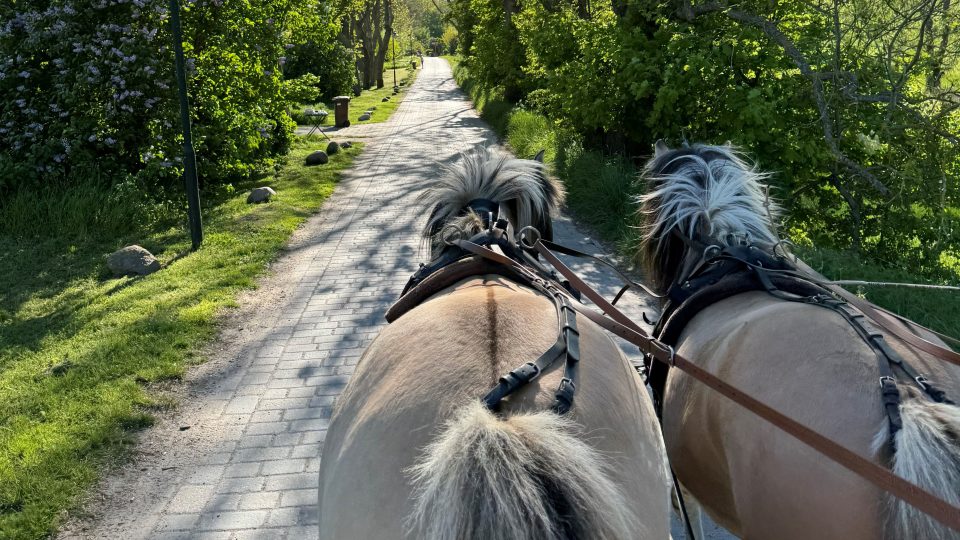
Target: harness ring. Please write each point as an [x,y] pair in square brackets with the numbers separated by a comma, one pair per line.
[522,237]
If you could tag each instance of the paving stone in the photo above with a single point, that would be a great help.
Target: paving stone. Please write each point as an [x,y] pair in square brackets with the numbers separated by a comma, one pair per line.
[284,466]
[246,519]
[190,499]
[299,497]
[178,522]
[287,482]
[259,500]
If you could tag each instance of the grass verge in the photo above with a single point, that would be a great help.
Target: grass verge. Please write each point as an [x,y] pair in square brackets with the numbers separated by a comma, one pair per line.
[601,189]
[368,99]
[78,350]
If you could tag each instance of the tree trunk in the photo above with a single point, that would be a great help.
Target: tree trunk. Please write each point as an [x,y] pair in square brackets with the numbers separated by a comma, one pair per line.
[384,39]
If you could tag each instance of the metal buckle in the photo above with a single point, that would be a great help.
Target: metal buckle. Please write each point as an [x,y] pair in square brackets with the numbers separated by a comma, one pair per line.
[922,381]
[663,347]
[887,379]
[521,237]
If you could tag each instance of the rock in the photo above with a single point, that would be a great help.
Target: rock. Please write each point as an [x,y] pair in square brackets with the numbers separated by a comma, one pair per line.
[59,370]
[333,148]
[363,117]
[260,194]
[373,108]
[317,158]
[345,145]
[385,99]
[132,260]
[368,111]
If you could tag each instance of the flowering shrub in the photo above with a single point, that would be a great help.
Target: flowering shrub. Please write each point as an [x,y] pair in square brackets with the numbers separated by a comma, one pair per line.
[87,90]
[90,94]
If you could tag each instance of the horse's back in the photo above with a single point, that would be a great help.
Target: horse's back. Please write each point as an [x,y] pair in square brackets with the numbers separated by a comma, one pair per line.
[448,352]
[803,361]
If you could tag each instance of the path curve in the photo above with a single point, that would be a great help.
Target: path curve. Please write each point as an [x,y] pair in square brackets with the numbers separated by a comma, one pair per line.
[239,458]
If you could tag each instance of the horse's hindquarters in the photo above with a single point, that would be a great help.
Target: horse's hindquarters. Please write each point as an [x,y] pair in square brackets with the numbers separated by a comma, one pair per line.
[752,477]
[447,353]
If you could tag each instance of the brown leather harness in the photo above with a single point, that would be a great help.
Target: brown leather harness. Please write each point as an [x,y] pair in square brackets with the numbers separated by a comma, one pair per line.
[517,264]
[458,261]
[726,271]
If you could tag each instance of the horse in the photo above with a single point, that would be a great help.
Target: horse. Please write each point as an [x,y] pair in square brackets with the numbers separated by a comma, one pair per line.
[805,361]
[413,452]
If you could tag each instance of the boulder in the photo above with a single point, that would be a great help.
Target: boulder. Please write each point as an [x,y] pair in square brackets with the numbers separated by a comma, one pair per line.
[260,194]
[373,108]
[333,148]
[132,260]
[345,145]
[385,99]
[317,158]
[364,116]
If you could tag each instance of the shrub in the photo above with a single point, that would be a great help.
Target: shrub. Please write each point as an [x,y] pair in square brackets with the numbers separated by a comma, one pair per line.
[90,94]
[332,63]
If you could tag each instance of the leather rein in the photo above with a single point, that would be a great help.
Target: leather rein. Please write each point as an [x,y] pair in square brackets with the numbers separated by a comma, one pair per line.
[614,321]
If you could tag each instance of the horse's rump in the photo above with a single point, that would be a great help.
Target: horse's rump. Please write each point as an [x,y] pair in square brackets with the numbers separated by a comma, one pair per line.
[440,357]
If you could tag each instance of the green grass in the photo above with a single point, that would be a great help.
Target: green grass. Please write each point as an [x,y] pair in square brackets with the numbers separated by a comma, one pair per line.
[601,189]
[369,98]
[79,350]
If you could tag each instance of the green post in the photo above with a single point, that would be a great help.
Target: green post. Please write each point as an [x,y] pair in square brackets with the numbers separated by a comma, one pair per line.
[189,156]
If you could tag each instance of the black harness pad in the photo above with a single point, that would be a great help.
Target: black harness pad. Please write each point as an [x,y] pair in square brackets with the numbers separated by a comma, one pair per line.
[723,278]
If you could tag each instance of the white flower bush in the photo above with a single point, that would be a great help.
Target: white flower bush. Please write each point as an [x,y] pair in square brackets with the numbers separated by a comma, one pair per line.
[90,91]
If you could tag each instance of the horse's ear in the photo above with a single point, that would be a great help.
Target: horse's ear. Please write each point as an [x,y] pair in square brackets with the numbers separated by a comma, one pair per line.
[539,156]
[660,148]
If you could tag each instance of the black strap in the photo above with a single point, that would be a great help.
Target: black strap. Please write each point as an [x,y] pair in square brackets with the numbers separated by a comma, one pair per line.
[564,395]
[567,345]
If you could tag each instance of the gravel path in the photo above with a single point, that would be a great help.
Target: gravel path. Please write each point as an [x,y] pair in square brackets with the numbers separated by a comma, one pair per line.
[239,458]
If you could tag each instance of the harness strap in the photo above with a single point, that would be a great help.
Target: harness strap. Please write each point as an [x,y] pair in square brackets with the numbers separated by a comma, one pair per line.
[567,344]
[628,283]
[883,318]
[564,395]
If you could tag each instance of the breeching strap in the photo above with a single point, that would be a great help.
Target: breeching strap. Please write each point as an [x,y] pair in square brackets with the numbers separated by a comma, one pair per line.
[881,477]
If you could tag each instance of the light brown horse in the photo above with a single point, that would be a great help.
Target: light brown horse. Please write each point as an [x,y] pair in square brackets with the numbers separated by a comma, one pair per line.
[805,361]
[412,453]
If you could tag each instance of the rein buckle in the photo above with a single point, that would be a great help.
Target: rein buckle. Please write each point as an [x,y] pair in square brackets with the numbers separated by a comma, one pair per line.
[663,348]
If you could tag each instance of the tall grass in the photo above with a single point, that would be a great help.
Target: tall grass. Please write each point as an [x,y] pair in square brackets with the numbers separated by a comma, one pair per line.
[79,211]
[601,188]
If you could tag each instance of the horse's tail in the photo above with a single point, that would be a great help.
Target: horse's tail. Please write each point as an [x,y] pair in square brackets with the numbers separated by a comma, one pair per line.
[927,454]
[527,476]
